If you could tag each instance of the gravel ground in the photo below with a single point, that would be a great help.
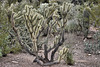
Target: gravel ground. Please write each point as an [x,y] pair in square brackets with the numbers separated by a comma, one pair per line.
[81,59]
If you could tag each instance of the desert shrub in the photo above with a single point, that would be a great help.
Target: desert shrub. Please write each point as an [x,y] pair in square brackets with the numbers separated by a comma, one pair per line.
[7,43]
[15,49]
[3,44]
[95,14]
[72,26]
[93,47]
[3,31]
[75,19]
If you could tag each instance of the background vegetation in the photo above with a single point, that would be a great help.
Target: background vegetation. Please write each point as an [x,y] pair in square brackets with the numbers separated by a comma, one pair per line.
[24,23]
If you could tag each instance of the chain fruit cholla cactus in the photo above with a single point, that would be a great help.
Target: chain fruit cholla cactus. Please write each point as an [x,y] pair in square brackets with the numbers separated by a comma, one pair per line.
[35,22]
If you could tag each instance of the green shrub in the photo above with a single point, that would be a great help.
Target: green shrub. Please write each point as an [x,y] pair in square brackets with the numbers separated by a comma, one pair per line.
[93,47]
[3,31]
[5,28]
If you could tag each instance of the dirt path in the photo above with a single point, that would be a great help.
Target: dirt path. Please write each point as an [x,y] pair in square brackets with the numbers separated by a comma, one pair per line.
[81,59]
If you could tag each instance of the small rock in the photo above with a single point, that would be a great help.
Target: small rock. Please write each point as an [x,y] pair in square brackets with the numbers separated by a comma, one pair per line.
[76,44]
[89,54]
[99,52]
[15,62]
[89,37]
[85,39]
[75,63]
[95,58]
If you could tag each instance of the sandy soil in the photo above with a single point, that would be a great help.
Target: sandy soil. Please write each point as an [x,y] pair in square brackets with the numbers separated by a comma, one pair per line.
[81,59]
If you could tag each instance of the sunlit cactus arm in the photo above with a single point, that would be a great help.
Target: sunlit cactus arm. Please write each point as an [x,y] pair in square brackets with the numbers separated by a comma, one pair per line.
[33,23]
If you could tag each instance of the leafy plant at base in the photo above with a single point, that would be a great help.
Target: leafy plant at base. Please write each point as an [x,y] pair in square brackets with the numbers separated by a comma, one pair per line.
[66,55]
